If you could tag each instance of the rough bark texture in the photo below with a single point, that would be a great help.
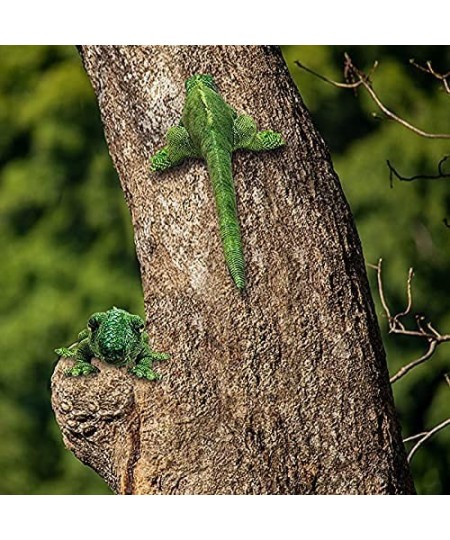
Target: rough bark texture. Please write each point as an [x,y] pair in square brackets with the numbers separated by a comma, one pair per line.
[281,390]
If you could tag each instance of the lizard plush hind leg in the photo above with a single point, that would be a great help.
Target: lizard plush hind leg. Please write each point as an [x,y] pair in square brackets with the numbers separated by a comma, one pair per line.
[247,136]
[179,146]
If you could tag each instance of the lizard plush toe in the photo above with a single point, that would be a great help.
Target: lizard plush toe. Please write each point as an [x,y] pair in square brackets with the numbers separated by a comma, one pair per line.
[81,369]
[144,372]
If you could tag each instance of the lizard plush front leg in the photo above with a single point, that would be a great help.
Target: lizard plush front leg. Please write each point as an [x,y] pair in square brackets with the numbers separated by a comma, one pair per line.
[147,351]
[82,353]
[144,362]
[143,369]
[71,351]
[179,146]
[83,357]
[247,136]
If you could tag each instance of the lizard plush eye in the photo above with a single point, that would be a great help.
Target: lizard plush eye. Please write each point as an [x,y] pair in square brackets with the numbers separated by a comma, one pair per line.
[93,323]
[139,324]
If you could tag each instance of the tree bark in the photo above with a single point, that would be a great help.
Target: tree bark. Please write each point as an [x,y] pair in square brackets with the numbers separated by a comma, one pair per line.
[281,390]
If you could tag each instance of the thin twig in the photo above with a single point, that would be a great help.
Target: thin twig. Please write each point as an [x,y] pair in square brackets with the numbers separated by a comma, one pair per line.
[429,69]
[440,174]
[433,330]
[364,80]
[408,296]
[404,370]
[381,290]
[427,436]
[415,437]
[326,79]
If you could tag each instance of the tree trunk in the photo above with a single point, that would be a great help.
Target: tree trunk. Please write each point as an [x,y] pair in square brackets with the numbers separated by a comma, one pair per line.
[283,389]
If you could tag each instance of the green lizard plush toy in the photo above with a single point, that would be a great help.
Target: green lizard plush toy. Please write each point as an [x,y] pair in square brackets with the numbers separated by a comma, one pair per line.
[211,130]
[116,337]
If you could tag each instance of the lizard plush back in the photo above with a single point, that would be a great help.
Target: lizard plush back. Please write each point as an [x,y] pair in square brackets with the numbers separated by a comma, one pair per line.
[212,130]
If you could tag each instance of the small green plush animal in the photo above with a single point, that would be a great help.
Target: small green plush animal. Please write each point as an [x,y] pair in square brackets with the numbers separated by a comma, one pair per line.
[116,337]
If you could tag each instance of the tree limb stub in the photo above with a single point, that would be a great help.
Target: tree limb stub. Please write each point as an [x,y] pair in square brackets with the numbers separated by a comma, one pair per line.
[282,390]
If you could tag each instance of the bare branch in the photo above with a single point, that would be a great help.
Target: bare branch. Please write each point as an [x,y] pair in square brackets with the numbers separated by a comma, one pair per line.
[404,370]
[396,326]
[440,174]
[415,437]
[408,295]
[433,330]
[362,79]
[427,436]
[326,79]
[443,77]
[381,291]
[447,378]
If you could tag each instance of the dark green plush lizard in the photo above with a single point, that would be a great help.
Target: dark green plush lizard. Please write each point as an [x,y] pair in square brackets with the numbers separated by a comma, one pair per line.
[116,337]
[212,130]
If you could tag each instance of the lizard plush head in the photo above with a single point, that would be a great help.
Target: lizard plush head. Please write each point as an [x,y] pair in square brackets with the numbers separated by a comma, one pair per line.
[198,80]
[116,336]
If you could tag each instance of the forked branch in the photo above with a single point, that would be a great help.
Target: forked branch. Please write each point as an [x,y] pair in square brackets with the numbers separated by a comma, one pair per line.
[423,329]
[443,77]
[440,173]
[423,437]
[359,78]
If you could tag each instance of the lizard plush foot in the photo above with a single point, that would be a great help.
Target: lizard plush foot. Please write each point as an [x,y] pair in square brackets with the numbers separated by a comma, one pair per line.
[246,135]
[179,146]
[81,368]
[160,161]
[145,372]
[160,356]
[268,140]
[65,352]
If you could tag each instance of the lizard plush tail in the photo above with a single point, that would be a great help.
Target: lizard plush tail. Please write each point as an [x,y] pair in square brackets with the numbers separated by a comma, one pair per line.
[220,172]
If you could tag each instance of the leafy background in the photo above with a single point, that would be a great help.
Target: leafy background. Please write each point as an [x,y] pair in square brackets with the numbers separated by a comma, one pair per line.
[67,244]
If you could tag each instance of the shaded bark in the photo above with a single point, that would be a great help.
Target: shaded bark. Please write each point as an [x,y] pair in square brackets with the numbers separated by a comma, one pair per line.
[281,390]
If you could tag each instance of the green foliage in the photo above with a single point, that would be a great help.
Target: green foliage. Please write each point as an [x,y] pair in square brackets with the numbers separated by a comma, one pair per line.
[403,225]
[67,246]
